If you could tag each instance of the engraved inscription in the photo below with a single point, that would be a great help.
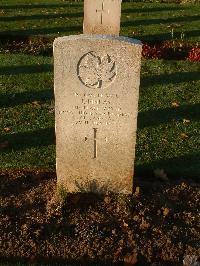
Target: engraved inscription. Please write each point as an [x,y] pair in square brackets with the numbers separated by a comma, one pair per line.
[101,11]
[98,109]
[96,71]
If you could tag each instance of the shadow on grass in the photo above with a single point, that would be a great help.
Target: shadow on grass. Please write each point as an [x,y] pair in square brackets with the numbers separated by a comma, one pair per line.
[32,6]
[77,29]
[41,31]
[48,16]
[24,140]
[16,70]
[160,116]
[164,79]
[80,14]
[177,167]
[151,9]
[167,35]
[8,100]
[140,22]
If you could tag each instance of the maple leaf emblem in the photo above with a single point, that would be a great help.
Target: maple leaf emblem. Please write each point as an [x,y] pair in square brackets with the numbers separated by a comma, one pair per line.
[96,71]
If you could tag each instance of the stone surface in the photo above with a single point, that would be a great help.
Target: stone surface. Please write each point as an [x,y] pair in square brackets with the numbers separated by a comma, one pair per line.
[102,17]
[96,99]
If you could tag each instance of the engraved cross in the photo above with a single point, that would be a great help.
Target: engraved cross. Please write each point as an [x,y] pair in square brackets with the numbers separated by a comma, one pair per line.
[95,142]
[95,139]
[102,10]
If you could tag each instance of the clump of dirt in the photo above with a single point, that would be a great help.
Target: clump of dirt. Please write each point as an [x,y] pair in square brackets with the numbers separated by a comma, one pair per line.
[157,225]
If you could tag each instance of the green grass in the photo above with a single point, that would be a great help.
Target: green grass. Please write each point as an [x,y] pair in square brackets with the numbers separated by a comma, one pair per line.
[146,21]
[27,79]
[160,143]
[26,85]
[27,108]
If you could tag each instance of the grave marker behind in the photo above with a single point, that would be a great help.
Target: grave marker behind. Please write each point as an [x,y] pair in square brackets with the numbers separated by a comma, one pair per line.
[102,17]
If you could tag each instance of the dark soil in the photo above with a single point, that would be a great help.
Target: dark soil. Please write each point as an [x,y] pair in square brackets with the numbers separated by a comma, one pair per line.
[157,225]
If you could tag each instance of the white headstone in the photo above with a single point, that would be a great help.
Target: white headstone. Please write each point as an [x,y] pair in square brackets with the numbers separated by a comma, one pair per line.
[96,98]
[102,17]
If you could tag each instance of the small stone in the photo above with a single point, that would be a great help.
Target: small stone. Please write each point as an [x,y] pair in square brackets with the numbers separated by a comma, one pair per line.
[136,218]
[114,231]
[107,200]
[7,129]
[183,136]
[175,104]
[125,224]
[130,259]
[186,121]
[144,225]
[165,211]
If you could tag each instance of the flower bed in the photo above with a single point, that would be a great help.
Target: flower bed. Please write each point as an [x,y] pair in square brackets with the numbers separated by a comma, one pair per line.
[171,50]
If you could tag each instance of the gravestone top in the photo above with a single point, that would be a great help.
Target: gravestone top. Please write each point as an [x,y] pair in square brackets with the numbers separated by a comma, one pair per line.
[97,37]
[102,17]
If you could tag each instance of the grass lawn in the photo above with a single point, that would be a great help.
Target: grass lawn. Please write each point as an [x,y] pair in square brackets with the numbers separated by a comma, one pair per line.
[146,21]
[168,123]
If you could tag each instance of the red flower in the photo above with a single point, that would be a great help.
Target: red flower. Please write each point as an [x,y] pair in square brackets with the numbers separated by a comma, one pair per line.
[194,54]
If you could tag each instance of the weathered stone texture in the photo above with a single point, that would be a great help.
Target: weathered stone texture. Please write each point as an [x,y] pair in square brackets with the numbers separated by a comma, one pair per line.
[96,97]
